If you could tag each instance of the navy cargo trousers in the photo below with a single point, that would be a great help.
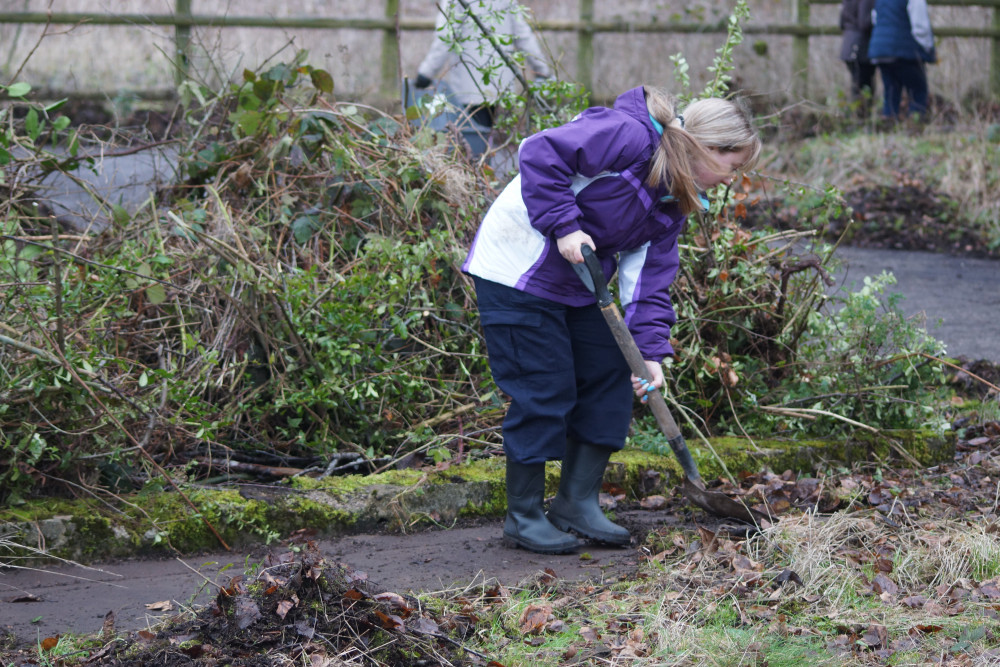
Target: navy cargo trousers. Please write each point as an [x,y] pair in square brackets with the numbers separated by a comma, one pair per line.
[561,367]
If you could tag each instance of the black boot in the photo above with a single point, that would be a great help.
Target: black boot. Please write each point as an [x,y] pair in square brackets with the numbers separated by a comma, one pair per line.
[526,525]
[576,507]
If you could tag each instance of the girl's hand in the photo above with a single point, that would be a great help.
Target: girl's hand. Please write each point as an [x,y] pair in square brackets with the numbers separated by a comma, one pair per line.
[569,245]
[653,380]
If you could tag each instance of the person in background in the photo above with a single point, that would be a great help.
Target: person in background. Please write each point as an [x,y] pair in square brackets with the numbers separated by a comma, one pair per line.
[901,45]
[468,61]
[623,181]
[856,24]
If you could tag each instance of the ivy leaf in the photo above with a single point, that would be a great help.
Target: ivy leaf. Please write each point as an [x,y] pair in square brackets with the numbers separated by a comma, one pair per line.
[303,228]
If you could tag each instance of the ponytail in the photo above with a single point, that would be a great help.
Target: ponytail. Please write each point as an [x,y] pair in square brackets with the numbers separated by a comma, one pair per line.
[725,125]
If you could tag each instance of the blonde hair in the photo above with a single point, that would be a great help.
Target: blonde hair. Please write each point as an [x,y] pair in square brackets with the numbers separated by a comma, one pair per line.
[725,125]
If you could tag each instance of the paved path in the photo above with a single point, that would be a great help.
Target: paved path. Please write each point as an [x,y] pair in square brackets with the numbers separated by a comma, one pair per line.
[52,600]
[959,297]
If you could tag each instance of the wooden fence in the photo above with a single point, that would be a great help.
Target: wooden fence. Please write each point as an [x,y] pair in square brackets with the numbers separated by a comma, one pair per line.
[585,27]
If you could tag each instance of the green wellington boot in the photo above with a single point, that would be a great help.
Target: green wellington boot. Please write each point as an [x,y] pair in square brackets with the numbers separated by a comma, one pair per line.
[526,525]
[576,507]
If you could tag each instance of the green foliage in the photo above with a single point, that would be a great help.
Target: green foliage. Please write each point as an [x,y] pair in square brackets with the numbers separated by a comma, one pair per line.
[301,294]
[547,103]
[760,348]
[722,64]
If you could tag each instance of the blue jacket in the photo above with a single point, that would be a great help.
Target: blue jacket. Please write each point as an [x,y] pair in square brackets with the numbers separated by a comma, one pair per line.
[589,174]
[902,31]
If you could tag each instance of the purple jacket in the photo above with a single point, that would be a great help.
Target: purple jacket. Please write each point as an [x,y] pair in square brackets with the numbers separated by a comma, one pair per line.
[589,174]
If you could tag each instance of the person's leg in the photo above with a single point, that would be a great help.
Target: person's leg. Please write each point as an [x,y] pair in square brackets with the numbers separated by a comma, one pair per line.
[854,69]
[602,411]
[484,114]
[912,76]
[598,426]
[892,90]
[866,79]
[531,361]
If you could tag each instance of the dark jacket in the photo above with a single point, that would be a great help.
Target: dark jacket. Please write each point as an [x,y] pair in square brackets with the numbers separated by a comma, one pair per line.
[902,31]
[589,174]
[856,23]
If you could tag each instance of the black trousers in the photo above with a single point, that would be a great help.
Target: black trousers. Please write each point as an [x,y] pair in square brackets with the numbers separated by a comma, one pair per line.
[862,78]
[484,114]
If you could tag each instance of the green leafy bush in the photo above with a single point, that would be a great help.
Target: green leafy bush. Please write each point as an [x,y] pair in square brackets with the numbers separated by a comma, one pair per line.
[298,295]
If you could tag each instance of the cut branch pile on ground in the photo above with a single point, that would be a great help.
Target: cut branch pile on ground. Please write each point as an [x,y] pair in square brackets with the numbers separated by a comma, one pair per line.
[297,608]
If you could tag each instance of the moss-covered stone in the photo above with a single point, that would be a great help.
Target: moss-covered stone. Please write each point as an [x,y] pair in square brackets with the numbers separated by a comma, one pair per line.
[162,521]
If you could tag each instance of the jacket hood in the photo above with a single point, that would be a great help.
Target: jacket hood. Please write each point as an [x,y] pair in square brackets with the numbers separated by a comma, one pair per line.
[633,103]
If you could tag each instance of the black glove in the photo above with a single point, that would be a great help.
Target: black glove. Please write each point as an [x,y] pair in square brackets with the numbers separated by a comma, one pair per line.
[422,82]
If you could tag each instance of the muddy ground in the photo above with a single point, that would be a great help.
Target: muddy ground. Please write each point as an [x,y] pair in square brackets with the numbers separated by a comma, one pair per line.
[72,599]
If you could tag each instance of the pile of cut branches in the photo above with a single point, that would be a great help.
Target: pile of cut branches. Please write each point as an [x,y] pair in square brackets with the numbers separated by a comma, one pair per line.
[294,303]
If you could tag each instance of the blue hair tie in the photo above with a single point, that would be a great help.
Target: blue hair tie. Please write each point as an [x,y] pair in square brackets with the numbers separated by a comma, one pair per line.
[656,124]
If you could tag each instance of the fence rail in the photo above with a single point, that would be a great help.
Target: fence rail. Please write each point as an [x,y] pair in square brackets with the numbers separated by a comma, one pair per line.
[183,20]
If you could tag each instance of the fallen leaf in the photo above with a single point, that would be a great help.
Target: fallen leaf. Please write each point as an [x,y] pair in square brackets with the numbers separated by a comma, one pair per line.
[246,613]
[164,605]
[396,600]
[390,621]
[926,628]
[787,575]
[708,541]
[914,601]
[534,618]
[883,565]
[990,590]
[108,628]
[50,643]
[424,626]
[283,608]
[653,502]
[875,636]
[883,584]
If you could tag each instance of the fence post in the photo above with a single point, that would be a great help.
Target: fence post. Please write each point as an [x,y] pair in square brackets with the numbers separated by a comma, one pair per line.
[585,47]
[182,43]
[391,75]
[800,50]
[995,55]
